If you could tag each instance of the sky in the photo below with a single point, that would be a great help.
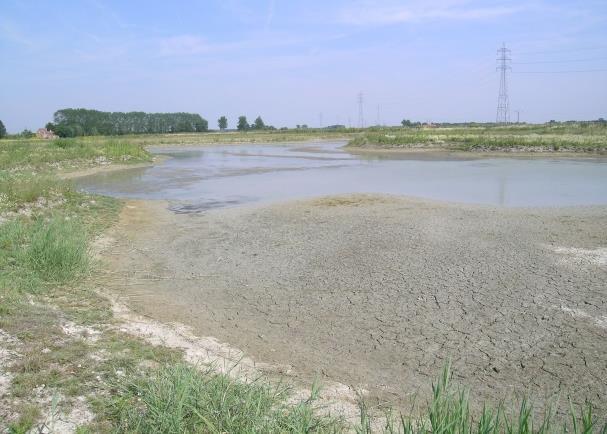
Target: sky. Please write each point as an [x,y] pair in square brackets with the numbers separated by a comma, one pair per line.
[303,62]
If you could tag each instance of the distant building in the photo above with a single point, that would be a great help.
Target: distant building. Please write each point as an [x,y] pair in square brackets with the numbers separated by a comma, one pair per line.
[335,127]
[43,133]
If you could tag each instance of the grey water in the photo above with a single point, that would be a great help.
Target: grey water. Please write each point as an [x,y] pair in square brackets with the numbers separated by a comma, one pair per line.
[195,179]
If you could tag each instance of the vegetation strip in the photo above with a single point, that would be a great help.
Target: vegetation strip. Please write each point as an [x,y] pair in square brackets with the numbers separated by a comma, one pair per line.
[582,137]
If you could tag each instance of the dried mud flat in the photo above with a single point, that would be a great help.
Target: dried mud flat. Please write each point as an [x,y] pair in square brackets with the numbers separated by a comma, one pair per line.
[378,292]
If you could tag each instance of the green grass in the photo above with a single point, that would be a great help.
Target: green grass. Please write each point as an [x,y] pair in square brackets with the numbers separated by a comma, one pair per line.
[57,249]
[180,399]
[581,138]
[28,416]
[449,412]
[39,253]
[18,189]
[36,154]
[122,151]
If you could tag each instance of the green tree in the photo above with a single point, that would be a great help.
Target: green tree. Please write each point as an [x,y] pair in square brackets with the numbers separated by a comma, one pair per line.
[222,123]
[2,130]
[78,122]
[242,123]
[259,125]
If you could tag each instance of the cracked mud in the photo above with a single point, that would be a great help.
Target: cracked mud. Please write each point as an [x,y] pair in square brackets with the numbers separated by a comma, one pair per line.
[378,292]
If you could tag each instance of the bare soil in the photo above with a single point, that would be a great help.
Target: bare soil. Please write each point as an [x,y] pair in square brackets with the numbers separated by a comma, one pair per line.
[106,167]
[379,292]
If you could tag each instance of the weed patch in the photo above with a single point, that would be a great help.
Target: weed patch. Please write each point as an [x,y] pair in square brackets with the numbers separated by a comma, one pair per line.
[449,412]
[57,250]
[179,398]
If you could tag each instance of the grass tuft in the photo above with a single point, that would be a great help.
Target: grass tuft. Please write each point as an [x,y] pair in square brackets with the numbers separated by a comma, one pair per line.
[41,155]
[27,418]
[20,189]
[180,399]
[449,413]
[57,250]
[125,151]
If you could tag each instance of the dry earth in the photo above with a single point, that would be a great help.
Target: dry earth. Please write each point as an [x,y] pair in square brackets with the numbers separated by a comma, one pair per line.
[105,167]
[379,292]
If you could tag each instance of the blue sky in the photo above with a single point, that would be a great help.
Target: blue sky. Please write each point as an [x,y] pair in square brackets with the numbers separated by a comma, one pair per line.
[290,61]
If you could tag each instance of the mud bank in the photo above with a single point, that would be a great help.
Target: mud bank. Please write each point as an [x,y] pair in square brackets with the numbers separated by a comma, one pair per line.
[378,292]
[109,167]
[424,151]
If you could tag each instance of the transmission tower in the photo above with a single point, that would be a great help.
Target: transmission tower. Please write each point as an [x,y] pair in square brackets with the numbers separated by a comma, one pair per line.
[503,103]
[361,119]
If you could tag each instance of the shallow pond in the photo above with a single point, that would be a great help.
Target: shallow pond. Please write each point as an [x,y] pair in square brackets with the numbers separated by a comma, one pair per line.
[199,178]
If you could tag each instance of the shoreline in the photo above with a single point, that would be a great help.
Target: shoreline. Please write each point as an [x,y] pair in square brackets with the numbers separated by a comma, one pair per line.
[412,153]
[161,158]
[108,168]
[304,142]
[472,154]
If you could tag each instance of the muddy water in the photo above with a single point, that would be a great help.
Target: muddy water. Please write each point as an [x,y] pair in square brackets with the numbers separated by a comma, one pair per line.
[196,179]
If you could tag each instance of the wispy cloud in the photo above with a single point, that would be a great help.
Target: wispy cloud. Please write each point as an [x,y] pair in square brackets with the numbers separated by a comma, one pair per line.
[10,32]
[378,13]
[189,45]
[270,14]
[109,14]
[184,45]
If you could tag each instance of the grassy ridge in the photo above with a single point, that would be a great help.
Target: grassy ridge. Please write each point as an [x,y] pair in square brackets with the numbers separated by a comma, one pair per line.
[589,138]
[45,231]
[264,136]
[35,154]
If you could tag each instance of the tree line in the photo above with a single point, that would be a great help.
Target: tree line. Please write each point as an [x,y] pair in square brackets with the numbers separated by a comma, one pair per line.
[82,122]
[243,124]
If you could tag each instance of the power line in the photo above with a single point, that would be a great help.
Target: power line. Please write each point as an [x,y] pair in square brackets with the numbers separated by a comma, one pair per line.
[503,103]
[565,50]
[560,61]
[560,72]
